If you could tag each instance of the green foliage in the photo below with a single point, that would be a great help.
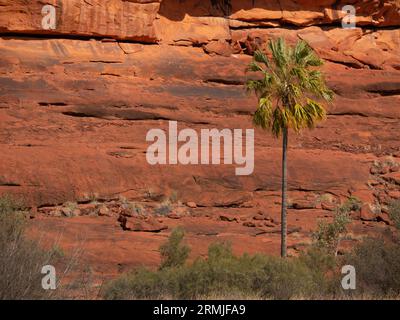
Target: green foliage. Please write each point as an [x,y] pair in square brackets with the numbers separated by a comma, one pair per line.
[20,259]
[289,88]
[351,204]
[315,274]
[57,251]
[12,222]
[9,204]
[173,252]
[223,273]
[327,236]
[394,212]
[377,266]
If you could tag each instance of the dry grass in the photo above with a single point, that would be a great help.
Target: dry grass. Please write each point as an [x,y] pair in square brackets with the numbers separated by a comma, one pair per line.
[22,259]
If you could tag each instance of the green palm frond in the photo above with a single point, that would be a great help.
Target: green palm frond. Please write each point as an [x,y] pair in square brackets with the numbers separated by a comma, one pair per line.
[254,67]
[260,57]
[255,85]
[263,115]
[280,53]
[291,79]
[305,56]
[315,112]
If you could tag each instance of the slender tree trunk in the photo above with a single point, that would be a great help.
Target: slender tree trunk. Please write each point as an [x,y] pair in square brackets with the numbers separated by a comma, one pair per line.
[284,190]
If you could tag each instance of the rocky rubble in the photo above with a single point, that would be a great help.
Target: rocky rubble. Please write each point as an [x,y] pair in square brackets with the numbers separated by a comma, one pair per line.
[132,216]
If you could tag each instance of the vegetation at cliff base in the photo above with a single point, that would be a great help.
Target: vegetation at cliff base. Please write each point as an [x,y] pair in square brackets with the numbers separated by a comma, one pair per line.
[315,274]
[22,258]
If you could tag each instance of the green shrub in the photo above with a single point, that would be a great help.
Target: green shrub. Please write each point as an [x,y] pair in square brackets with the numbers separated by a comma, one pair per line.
[22,259]
[222,274]
[139,284]
[315,274]
[377,266]
[394,212]
[320,262]
[327,236]
[173,252]
[351,204]
[12,220]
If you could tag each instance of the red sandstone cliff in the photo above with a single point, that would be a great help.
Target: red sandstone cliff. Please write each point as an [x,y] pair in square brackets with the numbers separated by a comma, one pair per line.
[76,103]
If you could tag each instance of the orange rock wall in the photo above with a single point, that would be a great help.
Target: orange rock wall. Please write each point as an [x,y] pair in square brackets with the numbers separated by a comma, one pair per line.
[76,102]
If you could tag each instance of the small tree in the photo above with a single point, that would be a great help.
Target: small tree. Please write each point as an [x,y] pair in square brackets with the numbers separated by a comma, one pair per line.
[328,235]
[287,93]
[173,252]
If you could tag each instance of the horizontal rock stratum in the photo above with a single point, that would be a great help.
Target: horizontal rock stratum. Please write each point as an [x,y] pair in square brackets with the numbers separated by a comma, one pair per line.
[176,21]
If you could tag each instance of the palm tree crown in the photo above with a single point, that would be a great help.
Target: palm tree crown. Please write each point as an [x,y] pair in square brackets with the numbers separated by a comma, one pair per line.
[289,88]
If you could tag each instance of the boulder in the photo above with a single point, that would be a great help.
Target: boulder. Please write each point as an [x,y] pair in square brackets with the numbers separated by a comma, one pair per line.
[149,224]
[304,204]
[104,211]
[174,215]
[228,217]
[219,47]
[191,204]
[367,213]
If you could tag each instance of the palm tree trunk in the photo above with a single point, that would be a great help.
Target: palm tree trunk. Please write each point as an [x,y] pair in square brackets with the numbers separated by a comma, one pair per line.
[284,196]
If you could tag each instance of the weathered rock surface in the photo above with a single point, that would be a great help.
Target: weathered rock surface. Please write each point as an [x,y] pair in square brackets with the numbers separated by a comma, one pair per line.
[76,104]
[193,21]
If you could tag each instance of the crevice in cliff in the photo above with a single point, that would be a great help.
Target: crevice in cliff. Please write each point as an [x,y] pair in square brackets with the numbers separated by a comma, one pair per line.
[62,36]
[51,104]
[106,61]
[10,184]
[137,116]
[326,26]
[78,114]
[386,93]
[349,113]
[354,65]
[225,82]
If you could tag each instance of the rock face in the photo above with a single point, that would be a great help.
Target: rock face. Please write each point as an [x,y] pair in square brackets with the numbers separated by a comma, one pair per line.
[118,19]
[77,102]
[185,21]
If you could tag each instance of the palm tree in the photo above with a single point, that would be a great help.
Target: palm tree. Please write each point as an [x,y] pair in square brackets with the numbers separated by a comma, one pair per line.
[288,90]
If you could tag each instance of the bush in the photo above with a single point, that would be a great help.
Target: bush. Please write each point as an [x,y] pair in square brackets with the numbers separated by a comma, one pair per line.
[22,259]
[321,263]
[394,213]
[223,274]
[164,208]
[173,253]
[352,204]
[315,274]
[328,235]
[377,266]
